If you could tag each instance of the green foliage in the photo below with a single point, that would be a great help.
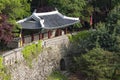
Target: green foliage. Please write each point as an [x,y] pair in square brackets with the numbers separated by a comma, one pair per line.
[81,35]
[56,75]
[99,50]
[31,51]
[1,63]
[68,7]
[101,62]
[96,64]
[83,41]
[3,73]
[86,40]
[115,3]
[39,46]
[106,40]
[87,12]
[113,21]
[15,9]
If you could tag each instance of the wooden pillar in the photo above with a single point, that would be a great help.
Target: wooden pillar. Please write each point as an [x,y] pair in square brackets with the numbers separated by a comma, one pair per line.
[59,32]
[65,30]
[32,37]
[49,34]
[40,36]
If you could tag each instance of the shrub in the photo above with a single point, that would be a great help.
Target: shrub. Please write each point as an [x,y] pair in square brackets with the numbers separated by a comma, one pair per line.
[31,51]
[83,41]
[56,75]
[96,64]
[1,63]
[80,35]
[86,40]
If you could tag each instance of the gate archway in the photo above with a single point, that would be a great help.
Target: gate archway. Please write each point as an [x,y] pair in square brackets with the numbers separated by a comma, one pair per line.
[62,65]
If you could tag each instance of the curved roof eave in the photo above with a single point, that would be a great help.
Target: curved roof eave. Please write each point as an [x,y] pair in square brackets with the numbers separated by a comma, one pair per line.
[60,26]
[25,19]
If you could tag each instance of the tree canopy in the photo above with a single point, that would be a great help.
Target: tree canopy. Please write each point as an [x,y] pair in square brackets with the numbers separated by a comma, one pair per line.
[69,7]
[15,9]
[5,31]
[10,12]
[100,50]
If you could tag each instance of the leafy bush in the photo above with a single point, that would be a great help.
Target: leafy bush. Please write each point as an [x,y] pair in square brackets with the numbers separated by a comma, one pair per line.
[100,50]
[1,63]
[31,51]
[105,40]
[86,40]
[83,41]
[5,31]
[56,75]
[96,64]
[80,35]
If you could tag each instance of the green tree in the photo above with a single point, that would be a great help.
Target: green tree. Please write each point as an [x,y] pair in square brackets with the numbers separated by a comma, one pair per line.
[15,10]
[5,31]
[69,7]
[96,64]
[86,40]
[83,41]
[113,21]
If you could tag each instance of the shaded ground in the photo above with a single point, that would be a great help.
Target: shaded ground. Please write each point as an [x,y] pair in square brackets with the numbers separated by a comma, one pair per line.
[76,76]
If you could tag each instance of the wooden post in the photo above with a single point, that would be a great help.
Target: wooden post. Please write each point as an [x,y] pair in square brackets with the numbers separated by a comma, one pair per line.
[32,37]
[65,30]
[49,34]
[40,36]
[59,32]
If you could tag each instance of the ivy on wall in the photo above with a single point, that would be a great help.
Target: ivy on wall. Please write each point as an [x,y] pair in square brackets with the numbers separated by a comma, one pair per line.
[4,75]
[32,51]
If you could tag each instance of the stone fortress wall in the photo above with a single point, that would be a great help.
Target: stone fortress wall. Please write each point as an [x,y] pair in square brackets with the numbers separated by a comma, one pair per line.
[53,51]
[12,56]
